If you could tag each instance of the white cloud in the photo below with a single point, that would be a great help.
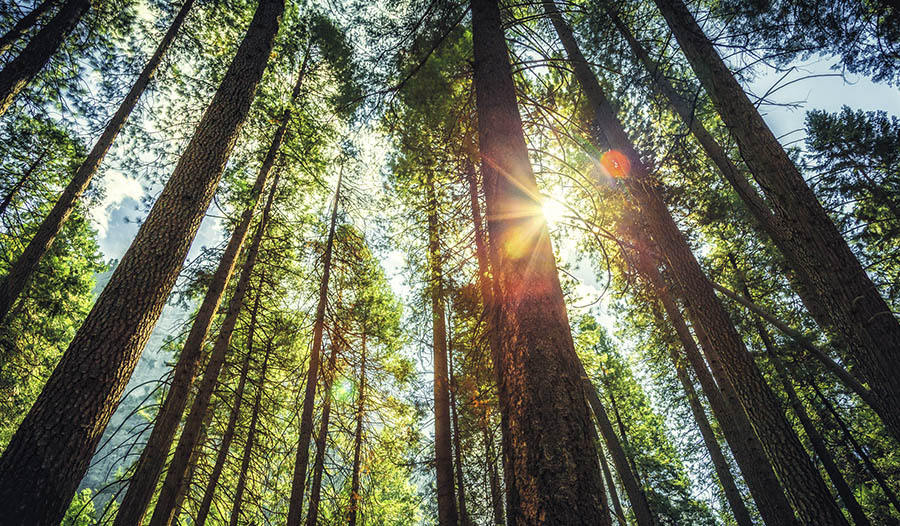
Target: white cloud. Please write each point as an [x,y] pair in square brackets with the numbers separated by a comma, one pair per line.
[117,188]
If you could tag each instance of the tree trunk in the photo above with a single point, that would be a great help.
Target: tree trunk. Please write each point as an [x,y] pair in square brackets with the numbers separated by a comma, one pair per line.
[457,446]
[150,465]
[355,498]
[805,487]
[720,463]
[251,436]
[497,515]
[17,186]
[876,473]
[48,455]
[854,308]
[636,496]
[733,421]
[21,270]
[192,468]
[24,24]
[815,438]
[22,69]
[551,465]
[315,491]
[443,456]
[165,504]
[228,434]
[613,494]
[298,485]
[847,379]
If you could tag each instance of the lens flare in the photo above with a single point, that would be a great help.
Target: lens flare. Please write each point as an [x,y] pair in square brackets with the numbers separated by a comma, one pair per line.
[615,163]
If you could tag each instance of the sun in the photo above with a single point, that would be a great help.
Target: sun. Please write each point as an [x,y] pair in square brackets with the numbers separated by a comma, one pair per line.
[554,211]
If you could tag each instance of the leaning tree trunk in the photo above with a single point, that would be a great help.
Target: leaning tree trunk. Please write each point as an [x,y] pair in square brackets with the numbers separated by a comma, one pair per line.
[20,182]
[298,484]
[150,464]
[613,494]
[636,496]
[805,487]
[21,270]
[248,445]
[192,467]
[355,497]
[720,463]
[315,490]
[551,465]
[815,438]
[853,306]
[228,434]
[165,504]
[443,455]
[47,457]
[24,24]
[22,69]
[497,514]
[742,440]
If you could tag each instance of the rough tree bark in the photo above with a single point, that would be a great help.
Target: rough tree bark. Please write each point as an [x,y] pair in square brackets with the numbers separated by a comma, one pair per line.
[19,72]
[315,489]
[151,462]
[805,487]
[24,24]
[21,270]
[233,415]
[251,437]
[165,504]
[443,455]
[853,306]
[298,485]
[551,464]
[47,457]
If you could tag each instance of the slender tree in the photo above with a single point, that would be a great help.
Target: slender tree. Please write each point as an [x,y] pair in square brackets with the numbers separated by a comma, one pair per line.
[24,24]
[298,484]
[163,513]
[315,489]
[851,303]
[27,64]
[251,438]
[20,272]
[41,467]
[153,457]
[805,487]
[355,497]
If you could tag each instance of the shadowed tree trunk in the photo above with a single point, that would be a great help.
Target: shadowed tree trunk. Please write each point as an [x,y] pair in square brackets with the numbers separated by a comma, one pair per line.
[192,467]
[228,434]
[251,437]
[24,24]
[298,485]
[353,510]
[636,496]
[20,272]
[815,438]
[315,490]
[22,69]
[551,466]
[805,487]
[853,307]
[150,465]
[736,428]
[165,504]
[443,456]
[720,463]
[47,457]
[613,494]
[874,471]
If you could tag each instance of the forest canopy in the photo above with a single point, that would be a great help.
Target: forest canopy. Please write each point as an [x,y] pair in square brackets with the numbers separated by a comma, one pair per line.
[449,262]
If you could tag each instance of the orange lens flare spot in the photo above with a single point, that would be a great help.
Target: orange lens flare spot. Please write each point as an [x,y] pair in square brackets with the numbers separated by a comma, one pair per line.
[615,163]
